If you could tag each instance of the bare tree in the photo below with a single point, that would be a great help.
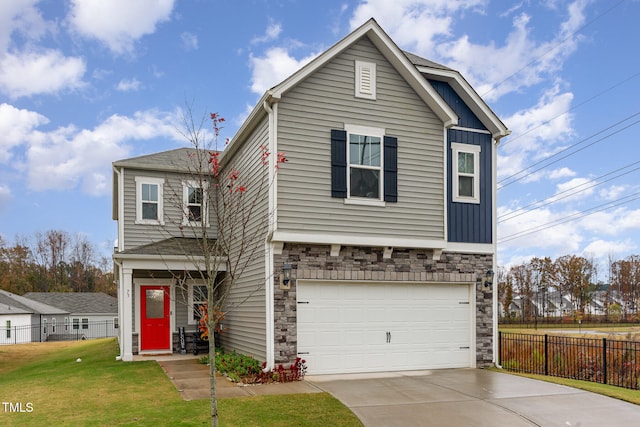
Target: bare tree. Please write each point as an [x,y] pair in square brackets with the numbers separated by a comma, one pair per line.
[224,209]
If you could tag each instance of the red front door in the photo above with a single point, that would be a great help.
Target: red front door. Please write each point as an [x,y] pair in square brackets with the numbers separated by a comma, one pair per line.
[155,320]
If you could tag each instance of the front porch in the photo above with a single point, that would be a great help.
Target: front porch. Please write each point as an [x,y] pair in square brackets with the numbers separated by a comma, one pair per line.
[158,293]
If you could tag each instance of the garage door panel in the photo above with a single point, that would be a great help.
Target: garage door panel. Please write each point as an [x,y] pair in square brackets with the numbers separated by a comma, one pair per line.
[344,326]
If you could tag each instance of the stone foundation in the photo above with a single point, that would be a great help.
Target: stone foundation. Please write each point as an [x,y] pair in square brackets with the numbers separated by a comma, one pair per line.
[367,263]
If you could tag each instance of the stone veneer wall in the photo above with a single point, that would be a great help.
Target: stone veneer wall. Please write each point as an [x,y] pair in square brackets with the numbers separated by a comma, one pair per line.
[367,263]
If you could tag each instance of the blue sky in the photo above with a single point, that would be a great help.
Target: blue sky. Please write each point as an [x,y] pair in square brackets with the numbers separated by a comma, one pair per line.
[85,83]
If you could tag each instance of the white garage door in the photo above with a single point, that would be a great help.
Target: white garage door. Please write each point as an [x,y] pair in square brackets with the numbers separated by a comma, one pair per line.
[356,327]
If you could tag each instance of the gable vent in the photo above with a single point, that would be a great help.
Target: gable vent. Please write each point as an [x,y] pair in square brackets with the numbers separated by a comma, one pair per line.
[365,80]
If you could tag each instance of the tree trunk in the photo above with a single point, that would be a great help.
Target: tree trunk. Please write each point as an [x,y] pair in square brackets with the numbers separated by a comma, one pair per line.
[212,379]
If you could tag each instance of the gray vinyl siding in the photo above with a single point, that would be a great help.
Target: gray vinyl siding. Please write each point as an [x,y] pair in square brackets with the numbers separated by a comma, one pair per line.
[244,325]
[326,101]
[143,234]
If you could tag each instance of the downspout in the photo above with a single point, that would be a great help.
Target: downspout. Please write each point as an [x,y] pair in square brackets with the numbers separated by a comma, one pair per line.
[269,246]
[494,237]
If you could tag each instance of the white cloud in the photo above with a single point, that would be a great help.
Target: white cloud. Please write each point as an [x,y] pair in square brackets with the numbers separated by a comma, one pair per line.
[118,23]
[612,222]
[46,72]
[536,132]
[15,127]
[273,68]
[24,17]
[416,25]
[562,238]
[613,192]
[68,157]
[563,172]
[189,41]
[573,190]
[425,27]
[128,85]
[603,248]
[271,33]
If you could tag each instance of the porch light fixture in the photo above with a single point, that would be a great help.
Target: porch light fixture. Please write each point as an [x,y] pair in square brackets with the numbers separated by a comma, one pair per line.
[487,280]
[285,277]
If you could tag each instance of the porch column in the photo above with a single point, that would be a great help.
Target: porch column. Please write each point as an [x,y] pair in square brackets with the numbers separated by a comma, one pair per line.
[126,323]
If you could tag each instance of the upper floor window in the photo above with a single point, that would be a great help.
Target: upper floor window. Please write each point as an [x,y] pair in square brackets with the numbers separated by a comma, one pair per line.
[149,200]
[365,162]
[364,165]
[466,173]
[194,202]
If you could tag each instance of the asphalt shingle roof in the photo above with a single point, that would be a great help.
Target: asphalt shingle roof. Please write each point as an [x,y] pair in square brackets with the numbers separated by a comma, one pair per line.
[9,301]
[77,302]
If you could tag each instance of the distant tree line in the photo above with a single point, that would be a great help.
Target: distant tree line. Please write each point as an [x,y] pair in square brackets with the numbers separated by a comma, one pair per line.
[568,287]
[54,261]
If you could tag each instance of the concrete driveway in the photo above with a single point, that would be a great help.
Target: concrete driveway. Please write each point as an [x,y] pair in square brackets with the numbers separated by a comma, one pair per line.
[471,397]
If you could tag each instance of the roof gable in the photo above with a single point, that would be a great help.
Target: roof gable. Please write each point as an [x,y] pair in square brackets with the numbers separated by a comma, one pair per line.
[391,52]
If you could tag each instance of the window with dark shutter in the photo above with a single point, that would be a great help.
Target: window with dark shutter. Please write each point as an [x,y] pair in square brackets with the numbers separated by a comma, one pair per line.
[361,169]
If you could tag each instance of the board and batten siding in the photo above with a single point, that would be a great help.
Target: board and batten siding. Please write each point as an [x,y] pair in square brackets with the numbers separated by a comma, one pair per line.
[144,234]
[325,101]
[246,304]
[471,222]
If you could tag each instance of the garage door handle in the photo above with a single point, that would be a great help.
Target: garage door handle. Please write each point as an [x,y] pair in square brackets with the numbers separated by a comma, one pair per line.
[388,337]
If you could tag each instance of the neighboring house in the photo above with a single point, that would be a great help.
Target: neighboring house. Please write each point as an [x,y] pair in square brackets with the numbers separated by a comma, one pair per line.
[94,314]
[25,320]
[385,213]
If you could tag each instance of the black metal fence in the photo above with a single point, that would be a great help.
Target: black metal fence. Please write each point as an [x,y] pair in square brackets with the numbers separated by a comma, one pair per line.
[605,361]
[42,333]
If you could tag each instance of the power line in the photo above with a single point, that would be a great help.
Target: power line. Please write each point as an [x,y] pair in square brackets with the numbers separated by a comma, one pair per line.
[558,44]
[575,107]
[553,199]
[603,207]
[567,149]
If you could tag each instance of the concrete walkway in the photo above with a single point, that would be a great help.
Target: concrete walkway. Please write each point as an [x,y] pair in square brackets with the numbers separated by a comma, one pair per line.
[471,397]
[191,379]
[448,397]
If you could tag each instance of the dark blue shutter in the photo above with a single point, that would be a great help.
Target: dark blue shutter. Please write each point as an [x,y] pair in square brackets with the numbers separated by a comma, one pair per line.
[338,163]
[390,169]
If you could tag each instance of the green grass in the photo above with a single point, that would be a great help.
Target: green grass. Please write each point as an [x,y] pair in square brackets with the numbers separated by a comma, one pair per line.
[102,391]
[628,395]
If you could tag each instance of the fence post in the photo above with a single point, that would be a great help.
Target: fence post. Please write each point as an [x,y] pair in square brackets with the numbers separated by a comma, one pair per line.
[499,348]
[546,354]
[604,360]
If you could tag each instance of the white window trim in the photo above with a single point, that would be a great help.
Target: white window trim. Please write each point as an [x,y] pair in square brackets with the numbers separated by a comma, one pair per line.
[465,148]
[185,202]
[367,131]
[160,183]
[190,313]
[362,69]
[53,325]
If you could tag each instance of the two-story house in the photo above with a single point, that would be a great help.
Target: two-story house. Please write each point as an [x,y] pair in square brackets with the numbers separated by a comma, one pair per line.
[382,220]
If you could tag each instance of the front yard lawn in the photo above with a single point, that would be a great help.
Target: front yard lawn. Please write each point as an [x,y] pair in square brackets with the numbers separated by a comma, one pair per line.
[43,384]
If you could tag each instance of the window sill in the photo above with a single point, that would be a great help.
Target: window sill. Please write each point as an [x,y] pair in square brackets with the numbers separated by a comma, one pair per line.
[365,202]
[148,222]
[467,201]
